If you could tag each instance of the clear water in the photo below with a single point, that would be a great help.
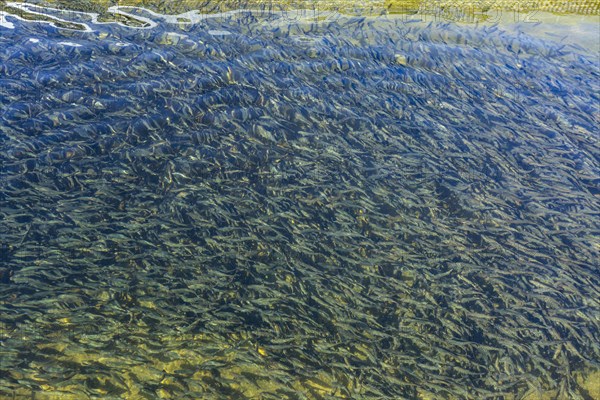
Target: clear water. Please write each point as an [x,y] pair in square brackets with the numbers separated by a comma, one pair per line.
[265,205]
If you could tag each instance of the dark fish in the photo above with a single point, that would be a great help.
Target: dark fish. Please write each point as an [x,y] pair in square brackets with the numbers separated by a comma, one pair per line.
[6,275]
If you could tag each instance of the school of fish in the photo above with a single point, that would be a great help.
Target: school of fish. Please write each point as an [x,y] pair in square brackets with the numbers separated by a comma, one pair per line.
[262,206]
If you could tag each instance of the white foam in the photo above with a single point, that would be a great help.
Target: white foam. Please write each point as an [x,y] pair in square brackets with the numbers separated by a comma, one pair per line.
[93,17]
[193,16]
[35,10]
[33,40]
[4,23]
[187,18]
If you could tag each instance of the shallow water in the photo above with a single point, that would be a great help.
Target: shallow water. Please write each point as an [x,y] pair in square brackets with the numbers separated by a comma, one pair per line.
[261,205]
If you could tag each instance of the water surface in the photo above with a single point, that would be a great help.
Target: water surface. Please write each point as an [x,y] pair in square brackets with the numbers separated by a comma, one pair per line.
[269,205]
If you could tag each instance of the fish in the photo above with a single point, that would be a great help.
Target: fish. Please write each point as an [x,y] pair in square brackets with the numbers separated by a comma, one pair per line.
[342,195]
